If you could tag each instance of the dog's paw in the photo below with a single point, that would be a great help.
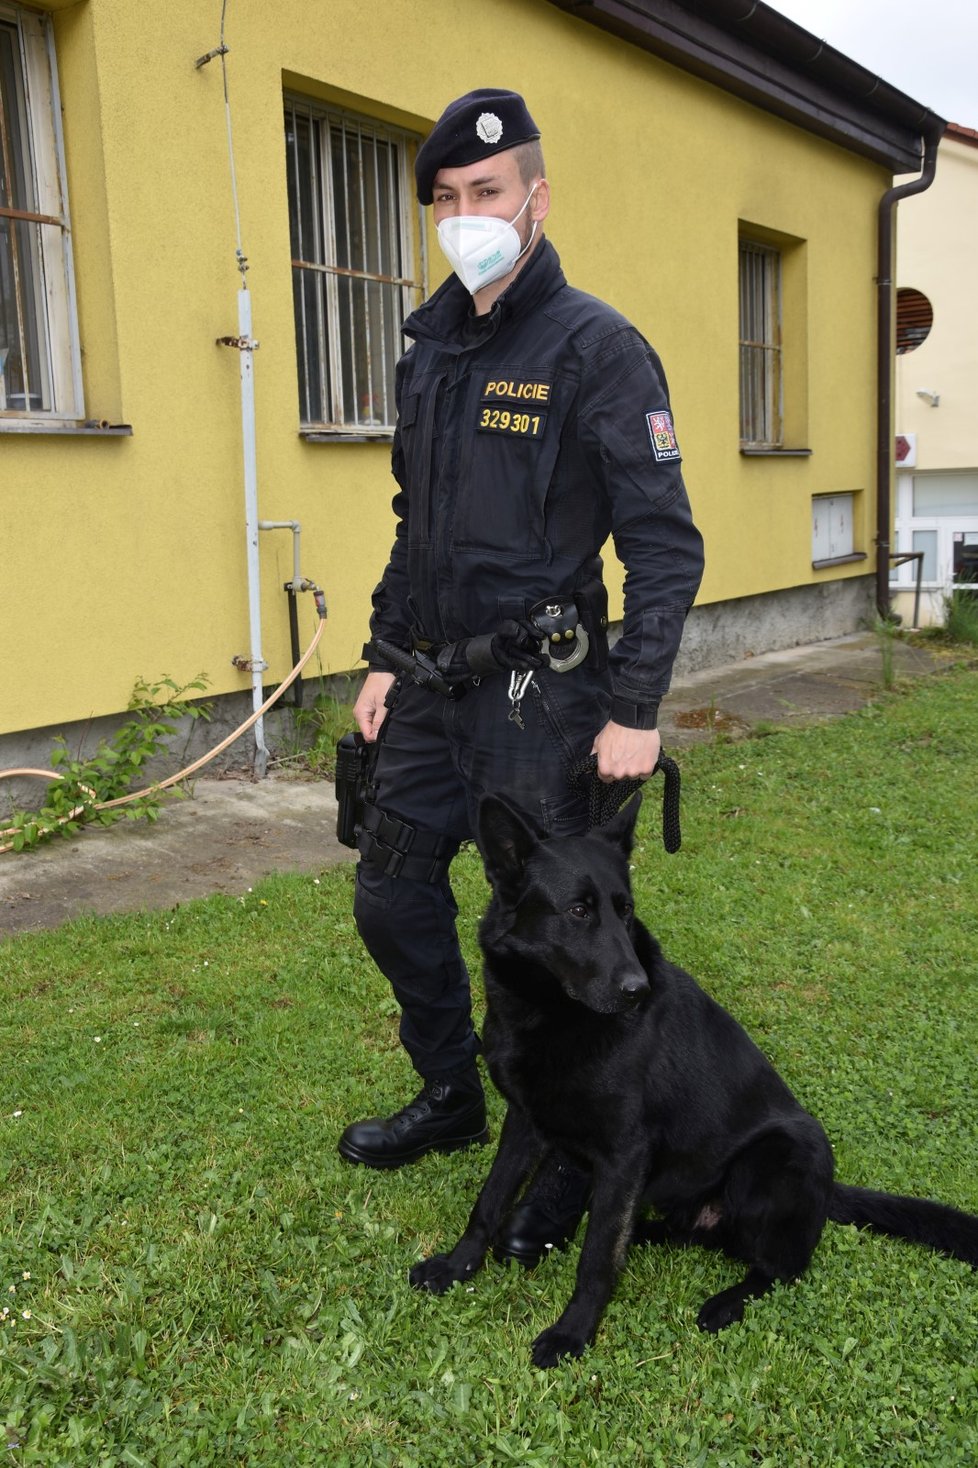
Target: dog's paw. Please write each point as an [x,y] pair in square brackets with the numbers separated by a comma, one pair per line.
[435,1274]
[720,1311]
[554,1343]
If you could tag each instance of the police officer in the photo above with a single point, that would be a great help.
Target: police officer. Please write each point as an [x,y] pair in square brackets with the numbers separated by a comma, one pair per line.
[533,421]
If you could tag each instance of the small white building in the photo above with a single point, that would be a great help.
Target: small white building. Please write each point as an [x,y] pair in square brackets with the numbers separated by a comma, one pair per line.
[936,403]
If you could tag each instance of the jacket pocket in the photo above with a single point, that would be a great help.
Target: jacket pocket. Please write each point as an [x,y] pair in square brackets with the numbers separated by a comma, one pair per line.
[511,431]
[415,430]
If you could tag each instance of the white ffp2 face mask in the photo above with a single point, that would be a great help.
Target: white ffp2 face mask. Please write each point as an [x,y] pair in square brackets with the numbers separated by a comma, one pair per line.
[481,249]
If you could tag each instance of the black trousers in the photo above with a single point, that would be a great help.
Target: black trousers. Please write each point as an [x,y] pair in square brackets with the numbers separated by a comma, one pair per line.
[436,760]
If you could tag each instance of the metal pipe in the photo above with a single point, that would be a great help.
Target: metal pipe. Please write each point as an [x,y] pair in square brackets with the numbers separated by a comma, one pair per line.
[292,589]
[299,688]
[297,583]
[257,663]
[884,355]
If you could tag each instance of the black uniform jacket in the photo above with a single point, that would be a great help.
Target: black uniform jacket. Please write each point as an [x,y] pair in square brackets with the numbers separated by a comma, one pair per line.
[524,438]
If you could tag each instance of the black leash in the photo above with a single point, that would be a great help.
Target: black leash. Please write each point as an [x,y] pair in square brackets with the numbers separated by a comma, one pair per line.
[606,799]
[672,836]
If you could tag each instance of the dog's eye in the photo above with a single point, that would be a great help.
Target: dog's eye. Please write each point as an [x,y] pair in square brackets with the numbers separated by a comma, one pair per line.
[579,910]
[627,909]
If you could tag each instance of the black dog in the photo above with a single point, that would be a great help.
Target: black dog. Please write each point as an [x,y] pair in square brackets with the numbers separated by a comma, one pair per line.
[611,1054]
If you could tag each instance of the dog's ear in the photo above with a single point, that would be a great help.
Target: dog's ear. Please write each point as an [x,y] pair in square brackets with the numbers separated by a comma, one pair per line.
[620,830]
[506,838]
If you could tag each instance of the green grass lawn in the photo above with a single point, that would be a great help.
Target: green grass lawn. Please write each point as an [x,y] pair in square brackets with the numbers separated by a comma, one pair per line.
[190,1275]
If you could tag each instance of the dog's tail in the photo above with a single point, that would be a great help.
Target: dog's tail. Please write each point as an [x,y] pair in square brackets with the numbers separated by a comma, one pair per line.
[937,1225]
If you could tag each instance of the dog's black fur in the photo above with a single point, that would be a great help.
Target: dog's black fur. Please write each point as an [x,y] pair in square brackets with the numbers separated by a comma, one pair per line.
[617,1058]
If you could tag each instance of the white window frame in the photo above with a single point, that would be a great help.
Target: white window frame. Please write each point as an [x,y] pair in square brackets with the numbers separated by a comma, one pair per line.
[349,318]
[45,225]
[945,527]
[759,277]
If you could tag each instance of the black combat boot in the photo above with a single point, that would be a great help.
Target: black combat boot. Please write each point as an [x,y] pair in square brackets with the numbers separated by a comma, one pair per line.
[447,1113]
[548,1214]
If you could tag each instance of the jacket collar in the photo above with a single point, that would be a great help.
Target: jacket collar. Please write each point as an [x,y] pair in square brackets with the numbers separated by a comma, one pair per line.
[446,321]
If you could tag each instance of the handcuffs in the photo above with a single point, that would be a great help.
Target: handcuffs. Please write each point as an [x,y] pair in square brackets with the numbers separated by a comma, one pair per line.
[565,645]
[565,642]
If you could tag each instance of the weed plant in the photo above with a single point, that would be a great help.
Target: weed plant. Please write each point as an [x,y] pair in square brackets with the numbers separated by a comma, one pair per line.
[189,1274]
[886,632]
[86,784]
[961,617]
[317,730]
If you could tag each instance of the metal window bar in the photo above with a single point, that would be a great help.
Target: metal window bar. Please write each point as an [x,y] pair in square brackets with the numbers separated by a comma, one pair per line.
[760,345]
[383,415]
[307,249]
[362,289]
[292,125]
[361,399]
[395,256]
[345,295]
[299,249]
[23,318]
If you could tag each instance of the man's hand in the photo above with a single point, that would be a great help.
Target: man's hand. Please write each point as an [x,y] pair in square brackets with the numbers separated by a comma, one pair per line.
[626,754]
[370,710]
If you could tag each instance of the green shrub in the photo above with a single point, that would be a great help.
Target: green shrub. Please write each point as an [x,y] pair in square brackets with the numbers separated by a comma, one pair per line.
[117,765]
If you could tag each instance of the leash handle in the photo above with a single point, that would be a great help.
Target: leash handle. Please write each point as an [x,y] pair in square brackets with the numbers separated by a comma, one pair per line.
[672,836]
[604,800]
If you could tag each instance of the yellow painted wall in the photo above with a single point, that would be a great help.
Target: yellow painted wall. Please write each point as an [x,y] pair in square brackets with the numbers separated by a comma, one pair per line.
[126,557]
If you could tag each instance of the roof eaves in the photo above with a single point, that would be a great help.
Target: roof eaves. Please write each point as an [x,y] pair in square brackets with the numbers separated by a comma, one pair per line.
[755,53]
[958,134]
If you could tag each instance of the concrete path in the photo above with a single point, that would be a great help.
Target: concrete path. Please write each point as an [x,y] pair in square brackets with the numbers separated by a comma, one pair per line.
[233,832]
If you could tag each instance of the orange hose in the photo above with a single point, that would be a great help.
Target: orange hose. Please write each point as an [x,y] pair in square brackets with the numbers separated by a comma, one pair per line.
[183,774]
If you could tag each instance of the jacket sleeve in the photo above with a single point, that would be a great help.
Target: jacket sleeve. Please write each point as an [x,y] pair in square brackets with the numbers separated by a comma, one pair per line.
[626,427]
[391,616]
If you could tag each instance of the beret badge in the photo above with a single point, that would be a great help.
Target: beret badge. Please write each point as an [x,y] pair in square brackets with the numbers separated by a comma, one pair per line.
[489,128]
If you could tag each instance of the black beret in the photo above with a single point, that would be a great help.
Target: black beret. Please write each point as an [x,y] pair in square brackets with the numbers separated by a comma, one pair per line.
[472,127]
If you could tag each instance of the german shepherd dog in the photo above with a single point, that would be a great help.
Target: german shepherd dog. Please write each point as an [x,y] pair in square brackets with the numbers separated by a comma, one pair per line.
[614,1056]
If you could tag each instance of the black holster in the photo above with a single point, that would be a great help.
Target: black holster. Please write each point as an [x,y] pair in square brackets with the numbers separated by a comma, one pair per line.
[592,604]
[353,761]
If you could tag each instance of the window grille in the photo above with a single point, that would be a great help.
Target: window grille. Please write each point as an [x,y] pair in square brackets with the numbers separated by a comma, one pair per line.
[760,346]
[914,319]
[353,227]
[39,360]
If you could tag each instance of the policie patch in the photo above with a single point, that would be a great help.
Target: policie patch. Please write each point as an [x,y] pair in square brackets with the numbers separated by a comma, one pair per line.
[663,436]
[514,406]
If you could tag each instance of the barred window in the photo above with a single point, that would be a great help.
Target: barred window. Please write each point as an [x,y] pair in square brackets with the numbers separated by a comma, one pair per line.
[760,347]
[356,244]
[40,367]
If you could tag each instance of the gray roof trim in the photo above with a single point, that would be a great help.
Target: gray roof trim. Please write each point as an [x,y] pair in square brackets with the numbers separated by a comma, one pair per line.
[755,53]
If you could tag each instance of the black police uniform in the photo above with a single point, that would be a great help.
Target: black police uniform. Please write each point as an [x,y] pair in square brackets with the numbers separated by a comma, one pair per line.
[525,437]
